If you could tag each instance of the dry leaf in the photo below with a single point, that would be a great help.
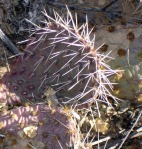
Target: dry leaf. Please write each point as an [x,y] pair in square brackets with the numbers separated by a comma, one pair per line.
[51,97]
[3,70]
[140,98]
[2,104]
[50,92]
[30,131]
[99,125]
[1,125]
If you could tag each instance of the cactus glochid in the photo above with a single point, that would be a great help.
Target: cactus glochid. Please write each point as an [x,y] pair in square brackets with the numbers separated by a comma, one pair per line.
[62,56]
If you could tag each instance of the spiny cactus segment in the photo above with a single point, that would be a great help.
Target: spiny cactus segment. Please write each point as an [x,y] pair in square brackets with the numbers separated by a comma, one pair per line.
[40,123]
[61,56]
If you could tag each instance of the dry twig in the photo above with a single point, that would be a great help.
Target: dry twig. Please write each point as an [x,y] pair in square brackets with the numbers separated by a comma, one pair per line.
[9,44]
[130,130]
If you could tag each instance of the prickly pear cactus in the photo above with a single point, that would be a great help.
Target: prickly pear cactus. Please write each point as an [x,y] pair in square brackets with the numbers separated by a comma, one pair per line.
[61,56]
[38,123]
[124,45]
